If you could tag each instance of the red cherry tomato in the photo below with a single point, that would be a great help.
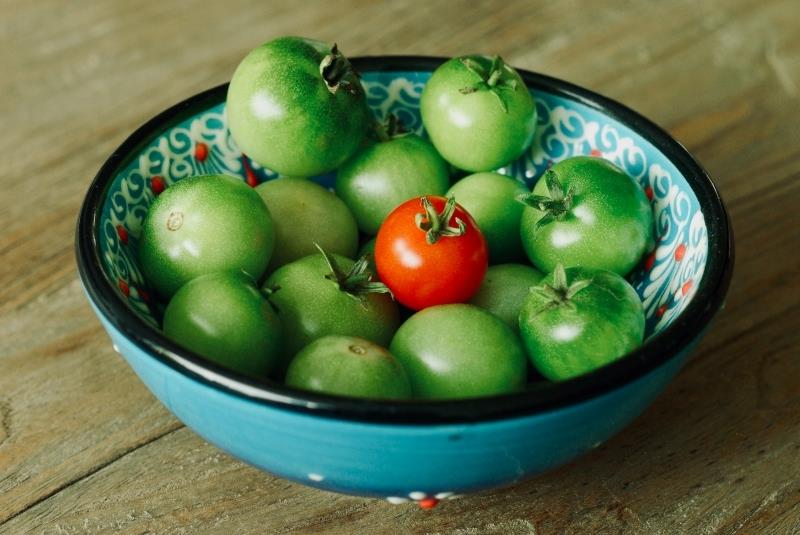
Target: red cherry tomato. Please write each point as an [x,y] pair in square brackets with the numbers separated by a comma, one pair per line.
[429,251]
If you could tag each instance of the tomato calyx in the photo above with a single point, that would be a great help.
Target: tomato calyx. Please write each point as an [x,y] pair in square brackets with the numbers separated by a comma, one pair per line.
[335,69]
[357,282]
[436,225]
[560,293]
[391,128]
[556,206]
[491,80]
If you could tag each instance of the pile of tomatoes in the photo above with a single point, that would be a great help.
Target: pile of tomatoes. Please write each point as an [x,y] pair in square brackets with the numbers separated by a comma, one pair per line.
[404,283]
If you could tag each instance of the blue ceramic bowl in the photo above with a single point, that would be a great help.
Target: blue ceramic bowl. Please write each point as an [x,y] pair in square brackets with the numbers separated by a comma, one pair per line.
[411,450]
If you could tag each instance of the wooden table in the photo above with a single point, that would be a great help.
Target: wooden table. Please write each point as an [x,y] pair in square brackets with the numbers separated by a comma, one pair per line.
[84,447]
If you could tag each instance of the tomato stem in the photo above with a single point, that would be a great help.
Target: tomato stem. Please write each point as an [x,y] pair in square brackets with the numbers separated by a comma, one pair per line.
[493,80]
[391,127]
[335,69]
[357,282]
[556,206]
[436,225]
[560,293]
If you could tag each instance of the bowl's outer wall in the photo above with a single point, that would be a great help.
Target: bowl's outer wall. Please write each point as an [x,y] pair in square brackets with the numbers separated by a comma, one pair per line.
[384,460]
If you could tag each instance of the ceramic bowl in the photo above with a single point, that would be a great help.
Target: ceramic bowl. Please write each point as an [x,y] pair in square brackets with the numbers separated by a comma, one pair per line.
[423,451]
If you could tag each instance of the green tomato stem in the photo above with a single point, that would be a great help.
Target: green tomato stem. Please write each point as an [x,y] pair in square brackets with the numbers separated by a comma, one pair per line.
[556,206]
[560,293]
[391,128]
[436,225]
[334,69]
[357,282]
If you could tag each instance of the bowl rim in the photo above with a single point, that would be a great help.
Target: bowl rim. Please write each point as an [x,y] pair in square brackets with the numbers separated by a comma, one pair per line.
[537,398]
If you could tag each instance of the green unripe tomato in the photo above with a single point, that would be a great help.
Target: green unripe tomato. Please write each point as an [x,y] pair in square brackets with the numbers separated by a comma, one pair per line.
[505,289]
[385,174]
[311,303]
[223,317]
[348,366]
[459,351]
[305,213]
[201,225]
[478,112]
[602,220]
[578,321]
[490,198]
[296,106]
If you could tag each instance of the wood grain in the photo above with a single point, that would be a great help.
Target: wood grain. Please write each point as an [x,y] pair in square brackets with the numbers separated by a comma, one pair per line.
[84,448]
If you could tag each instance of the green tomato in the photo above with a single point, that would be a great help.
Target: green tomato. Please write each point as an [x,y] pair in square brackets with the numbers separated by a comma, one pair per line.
[580,319]
[478,112]
[296,106]
[223,317]
[459,351]
[314,300]
[490,198]
[587,212]
[348,366]
[504,289]
[201,225]
[384,174]
[305,213]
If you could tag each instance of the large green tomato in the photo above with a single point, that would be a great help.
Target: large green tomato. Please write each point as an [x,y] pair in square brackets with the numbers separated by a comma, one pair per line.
[459,351]
[348,366]
[201,225]
[223,317]
[305,213]
[580,319]
[478,112]
[321,295]
[504,289]
[587,212]
[296,106]
[490,198]
[386,173]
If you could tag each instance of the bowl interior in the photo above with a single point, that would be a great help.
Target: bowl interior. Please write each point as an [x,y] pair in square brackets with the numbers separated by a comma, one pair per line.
[666,279]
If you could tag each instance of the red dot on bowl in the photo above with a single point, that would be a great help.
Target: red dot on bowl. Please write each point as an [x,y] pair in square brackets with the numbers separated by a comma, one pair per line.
[144,295]
[200,151]
[650,261]
[157,184]
[122,232]
[686,287]
[596,153]
[428,503]
[661,310]
[249,174]
[649,192]
[680,252]
[123,287]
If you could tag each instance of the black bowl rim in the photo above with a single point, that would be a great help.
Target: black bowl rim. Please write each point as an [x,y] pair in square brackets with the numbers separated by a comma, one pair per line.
[538,398]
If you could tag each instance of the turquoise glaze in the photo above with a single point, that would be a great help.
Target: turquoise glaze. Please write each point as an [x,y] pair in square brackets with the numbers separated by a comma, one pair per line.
[392,461]
[414,451]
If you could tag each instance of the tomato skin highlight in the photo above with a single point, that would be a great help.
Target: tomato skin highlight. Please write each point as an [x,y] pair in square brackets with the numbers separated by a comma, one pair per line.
[421,274]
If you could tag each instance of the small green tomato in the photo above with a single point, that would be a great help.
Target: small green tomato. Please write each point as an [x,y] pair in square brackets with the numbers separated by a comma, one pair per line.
[580,319]
[348,366]
[505,289]
[490,198]
[201,225]
[223,317]
[304,214]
